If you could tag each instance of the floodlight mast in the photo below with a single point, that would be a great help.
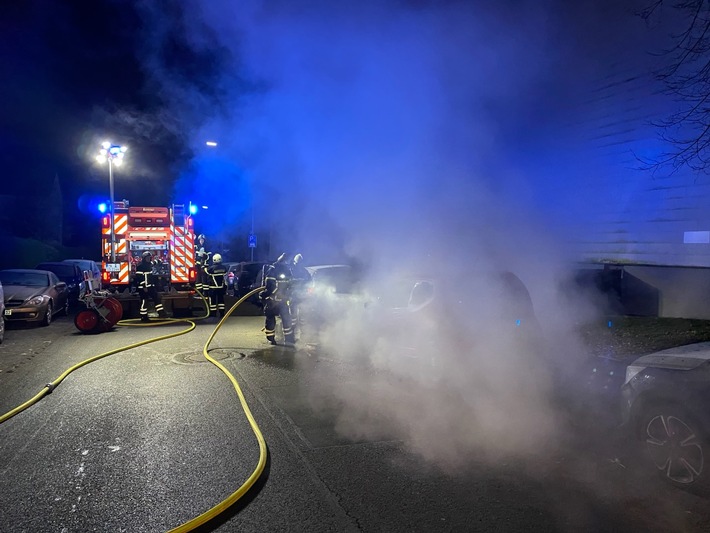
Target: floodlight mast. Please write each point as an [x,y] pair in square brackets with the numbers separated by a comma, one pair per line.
[114,155]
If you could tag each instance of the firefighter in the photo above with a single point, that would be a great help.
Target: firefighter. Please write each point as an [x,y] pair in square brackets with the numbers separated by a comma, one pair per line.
[275,299]
[146,287]
[216,284]
[202,257]
[300,278]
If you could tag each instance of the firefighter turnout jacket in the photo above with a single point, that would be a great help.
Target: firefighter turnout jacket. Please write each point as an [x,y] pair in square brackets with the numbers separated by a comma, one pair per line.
[216,276]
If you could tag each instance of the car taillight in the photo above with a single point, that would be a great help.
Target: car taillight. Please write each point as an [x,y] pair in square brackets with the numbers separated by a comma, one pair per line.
[105,276]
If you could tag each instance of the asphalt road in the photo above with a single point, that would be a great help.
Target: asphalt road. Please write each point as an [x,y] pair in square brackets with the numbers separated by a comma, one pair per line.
[146,439]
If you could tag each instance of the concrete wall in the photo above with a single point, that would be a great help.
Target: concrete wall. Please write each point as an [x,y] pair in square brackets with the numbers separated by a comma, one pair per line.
[683,292]
[649,290]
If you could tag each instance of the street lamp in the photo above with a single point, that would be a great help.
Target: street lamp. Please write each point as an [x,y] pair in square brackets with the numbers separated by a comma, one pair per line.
[114,155]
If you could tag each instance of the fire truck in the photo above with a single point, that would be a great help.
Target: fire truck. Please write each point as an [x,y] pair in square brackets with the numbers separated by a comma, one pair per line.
[167,233]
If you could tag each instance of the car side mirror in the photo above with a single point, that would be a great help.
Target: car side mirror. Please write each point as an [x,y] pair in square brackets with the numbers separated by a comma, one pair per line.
[61,285]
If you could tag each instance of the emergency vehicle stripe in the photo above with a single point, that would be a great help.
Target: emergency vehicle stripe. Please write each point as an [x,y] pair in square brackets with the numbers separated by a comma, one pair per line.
[121,246]
[123,276]
[120,223]
[178,266]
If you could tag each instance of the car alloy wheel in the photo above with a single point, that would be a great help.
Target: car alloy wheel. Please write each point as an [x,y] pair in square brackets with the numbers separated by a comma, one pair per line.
[676,447]
[48,315]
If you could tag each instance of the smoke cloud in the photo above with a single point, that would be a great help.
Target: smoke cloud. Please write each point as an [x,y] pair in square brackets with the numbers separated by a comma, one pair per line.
[419,139]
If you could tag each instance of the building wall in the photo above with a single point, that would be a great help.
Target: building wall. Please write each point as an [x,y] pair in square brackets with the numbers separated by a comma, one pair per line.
[627,210]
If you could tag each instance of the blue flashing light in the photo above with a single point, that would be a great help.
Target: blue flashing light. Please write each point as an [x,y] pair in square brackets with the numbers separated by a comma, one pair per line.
[609,324]
[193,209]
[103,207]
[517,322]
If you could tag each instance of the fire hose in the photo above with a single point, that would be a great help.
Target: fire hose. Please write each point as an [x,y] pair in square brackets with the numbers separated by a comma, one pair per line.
[263,452]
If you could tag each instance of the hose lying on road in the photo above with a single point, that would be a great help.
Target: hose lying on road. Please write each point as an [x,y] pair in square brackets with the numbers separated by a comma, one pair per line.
[241,491]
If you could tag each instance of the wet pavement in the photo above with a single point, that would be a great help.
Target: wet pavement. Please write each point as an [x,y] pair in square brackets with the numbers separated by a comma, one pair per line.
[146,439]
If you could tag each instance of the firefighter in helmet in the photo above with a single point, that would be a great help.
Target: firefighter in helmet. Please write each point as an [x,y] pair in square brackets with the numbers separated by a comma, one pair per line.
[202,257]
[216,284]
[146,281]
[275,299]
[300,279]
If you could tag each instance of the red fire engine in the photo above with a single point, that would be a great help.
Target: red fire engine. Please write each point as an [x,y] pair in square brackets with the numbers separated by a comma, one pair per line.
[167,233]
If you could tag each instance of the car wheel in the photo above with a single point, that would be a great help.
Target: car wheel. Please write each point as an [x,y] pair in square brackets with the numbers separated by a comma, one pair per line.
[47,320]
[676,445]
[2,329]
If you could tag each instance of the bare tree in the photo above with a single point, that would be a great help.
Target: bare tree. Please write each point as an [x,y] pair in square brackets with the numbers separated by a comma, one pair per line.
[686,77]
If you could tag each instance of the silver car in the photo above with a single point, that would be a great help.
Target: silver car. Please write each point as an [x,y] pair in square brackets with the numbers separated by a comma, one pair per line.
[33,295]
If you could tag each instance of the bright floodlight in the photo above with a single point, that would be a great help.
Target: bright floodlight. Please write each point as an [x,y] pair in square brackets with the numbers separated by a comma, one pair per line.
[211,143]
[111,152]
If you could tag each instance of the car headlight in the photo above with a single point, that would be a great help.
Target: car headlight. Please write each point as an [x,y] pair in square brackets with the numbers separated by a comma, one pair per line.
[37,300]
[632,370]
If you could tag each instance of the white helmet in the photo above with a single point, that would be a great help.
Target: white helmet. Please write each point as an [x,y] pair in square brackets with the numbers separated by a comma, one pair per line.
[216,258]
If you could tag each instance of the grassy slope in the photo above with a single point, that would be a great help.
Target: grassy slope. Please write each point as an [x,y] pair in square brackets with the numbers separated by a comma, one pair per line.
[629,336]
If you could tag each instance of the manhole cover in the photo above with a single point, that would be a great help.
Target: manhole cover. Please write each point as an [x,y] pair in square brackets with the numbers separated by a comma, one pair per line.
[191,358]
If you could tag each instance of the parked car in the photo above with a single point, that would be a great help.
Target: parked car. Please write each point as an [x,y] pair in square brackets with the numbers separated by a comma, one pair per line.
[69,273]
[92,267]
[328,287]
[251,277]
[433,323]
[666,408]
[242,275]
[33,295]
[2,314]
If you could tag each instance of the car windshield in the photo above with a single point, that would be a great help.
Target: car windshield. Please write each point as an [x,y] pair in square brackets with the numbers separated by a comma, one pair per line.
[29,279]
[63,271]
[83,264]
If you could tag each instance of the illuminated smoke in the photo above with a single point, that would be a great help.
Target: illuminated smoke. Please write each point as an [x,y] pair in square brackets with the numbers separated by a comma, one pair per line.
[412,137]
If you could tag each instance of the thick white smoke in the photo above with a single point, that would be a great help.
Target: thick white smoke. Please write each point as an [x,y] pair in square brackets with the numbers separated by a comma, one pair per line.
[400,134]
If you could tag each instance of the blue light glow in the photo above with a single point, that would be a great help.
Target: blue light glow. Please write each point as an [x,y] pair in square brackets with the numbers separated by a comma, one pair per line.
[193,209]
[102,207]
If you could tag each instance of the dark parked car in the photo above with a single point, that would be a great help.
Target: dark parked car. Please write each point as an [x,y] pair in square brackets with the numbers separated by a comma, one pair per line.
[241,276]
[252,278]
[666,407]
[69,273]
[33,295]
[92,267]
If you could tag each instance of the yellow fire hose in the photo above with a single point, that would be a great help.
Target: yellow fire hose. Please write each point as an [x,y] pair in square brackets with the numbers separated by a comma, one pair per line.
[241,491]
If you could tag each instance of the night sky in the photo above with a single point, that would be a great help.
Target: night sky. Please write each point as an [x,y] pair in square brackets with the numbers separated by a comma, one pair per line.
[399,127]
